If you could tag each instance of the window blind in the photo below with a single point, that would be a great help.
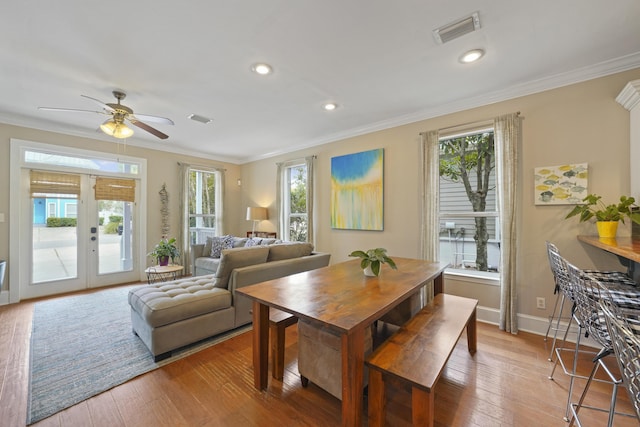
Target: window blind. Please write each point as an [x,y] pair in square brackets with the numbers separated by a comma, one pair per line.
[46,182]
[115,189]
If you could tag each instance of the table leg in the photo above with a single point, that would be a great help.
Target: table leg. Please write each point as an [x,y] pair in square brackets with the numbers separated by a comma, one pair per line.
[260,345]
[472,336]
[438,284]
[352,377]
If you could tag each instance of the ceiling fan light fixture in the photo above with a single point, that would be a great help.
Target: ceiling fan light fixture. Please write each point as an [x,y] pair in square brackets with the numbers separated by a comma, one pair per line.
[115,129]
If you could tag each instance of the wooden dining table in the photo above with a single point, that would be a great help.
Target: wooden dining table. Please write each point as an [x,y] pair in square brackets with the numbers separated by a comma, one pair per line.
[341,298]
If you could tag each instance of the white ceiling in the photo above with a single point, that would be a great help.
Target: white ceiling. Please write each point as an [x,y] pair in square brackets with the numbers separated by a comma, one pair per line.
[376,58]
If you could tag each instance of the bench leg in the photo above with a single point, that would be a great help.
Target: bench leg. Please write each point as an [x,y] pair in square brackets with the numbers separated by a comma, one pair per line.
[472,336]
[422,407]
[277,350]
[377,400]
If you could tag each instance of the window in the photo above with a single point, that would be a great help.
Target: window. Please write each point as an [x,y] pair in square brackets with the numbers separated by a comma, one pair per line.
[295,183]
[295,202]
[202,202]
[469,229]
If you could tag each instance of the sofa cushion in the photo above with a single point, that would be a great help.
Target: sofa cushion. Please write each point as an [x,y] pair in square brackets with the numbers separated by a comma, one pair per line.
[289,250]
[236,258]
[268,241]
[239,242]
[170,302]
[220,243]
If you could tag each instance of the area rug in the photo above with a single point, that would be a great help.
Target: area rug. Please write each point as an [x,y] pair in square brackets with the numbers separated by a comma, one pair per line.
[83,345]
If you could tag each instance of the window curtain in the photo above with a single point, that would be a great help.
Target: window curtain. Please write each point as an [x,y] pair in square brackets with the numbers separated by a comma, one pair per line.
[281,226]
[507,138]
[430,196]
[282,168]
[310,185]
[184,236]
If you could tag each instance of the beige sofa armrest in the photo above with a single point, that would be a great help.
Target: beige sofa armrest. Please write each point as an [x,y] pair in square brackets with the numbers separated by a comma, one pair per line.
[196,252]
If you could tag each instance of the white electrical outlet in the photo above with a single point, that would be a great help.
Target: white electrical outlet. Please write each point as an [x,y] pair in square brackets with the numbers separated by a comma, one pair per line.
[541,303]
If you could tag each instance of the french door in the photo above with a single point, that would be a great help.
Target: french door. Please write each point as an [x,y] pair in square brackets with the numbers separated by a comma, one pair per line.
[80,238]
[76,218]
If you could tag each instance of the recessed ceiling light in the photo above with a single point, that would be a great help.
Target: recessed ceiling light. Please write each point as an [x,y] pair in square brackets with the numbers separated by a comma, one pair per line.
[471,56]
[262,69]
[330,106]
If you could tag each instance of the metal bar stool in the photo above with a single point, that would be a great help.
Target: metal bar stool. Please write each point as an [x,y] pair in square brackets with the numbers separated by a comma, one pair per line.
[561,292]
[623,330]
[589,293]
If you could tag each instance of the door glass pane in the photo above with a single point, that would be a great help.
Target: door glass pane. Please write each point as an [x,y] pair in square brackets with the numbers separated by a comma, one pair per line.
[115,239]
[55,238]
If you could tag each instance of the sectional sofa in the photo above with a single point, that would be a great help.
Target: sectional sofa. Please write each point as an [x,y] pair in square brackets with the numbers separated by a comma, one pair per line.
[170,315]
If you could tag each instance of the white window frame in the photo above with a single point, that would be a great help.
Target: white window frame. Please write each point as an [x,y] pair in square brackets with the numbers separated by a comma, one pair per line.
[447,217]
[283,196]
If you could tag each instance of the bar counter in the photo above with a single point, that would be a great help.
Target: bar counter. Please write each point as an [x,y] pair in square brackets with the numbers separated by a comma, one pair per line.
[625,247]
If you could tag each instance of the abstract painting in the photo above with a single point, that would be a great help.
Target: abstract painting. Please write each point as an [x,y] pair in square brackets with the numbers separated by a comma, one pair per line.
[561,185]
[357,191]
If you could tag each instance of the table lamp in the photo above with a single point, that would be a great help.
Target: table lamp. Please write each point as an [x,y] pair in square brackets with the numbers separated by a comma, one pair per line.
[256,214]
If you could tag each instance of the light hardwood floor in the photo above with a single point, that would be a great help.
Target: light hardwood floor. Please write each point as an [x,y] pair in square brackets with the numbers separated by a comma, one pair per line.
[504,384]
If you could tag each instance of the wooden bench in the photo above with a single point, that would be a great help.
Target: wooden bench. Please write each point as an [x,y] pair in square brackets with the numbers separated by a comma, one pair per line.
[417,354]
[278,322]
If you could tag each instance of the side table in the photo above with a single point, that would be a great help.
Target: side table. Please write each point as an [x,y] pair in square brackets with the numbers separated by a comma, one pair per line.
[162,273]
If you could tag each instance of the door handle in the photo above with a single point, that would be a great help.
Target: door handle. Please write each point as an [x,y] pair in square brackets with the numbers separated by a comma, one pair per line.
[93,238]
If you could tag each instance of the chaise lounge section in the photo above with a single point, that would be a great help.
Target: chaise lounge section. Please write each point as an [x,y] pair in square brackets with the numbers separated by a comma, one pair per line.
[170,315]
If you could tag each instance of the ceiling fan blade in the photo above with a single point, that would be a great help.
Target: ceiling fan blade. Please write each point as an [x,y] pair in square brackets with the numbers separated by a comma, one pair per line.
[73,110]
[154,119]
[97,101]
[148,128]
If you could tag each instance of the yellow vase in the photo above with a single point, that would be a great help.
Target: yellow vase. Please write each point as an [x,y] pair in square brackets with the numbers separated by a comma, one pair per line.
[607,229]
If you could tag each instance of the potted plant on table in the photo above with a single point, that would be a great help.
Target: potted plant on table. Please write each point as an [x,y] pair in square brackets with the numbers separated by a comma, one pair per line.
[164,251]
[372,259]
[606,216]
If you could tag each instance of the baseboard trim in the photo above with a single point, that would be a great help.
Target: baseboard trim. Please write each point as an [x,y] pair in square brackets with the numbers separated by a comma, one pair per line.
[4,297]
[532,324]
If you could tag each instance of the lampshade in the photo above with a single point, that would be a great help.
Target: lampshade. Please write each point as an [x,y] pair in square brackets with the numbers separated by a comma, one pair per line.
[256,214]
[115,129]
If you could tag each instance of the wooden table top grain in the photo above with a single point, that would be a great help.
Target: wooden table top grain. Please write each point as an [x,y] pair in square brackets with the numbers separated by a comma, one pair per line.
[341,296]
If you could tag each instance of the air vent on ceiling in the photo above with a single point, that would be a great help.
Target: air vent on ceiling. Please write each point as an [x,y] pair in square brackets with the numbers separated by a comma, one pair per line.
[457,29]
[199,118]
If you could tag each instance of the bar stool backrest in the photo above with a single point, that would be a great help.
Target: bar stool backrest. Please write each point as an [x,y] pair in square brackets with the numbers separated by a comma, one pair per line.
[558,267]
[626,347]
[587,292]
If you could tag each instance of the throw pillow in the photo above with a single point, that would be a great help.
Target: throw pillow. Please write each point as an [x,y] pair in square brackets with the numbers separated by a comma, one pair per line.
[220,243]
[252,241]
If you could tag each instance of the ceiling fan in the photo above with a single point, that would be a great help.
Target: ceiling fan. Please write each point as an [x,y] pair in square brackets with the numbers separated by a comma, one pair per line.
[116,126]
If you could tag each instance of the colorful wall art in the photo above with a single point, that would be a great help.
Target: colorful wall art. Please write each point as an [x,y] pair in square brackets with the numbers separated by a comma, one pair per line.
[561,185]
[357,191]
